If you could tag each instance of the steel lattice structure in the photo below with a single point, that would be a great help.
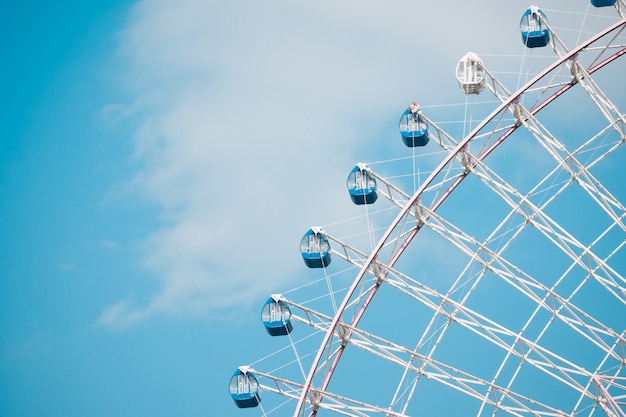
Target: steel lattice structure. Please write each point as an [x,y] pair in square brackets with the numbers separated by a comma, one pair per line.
[563,350]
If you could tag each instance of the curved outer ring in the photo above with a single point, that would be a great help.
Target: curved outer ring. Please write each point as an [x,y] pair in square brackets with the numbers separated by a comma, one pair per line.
[307,385]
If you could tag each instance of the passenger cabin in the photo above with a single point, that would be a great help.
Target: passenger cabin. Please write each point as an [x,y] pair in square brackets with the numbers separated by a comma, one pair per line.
[603,3]
[413,129]
[244,388]
[315,248]
[362,185]
[533,25]
[276,316]
[470,73]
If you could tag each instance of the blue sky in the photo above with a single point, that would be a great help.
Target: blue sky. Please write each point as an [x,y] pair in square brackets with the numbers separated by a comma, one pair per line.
[159,163]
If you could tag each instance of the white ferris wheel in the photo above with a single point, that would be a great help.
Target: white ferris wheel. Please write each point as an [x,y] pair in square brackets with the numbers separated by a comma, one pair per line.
[489,273]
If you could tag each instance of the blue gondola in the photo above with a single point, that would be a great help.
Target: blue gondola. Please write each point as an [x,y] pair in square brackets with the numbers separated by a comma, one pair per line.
[244,388]
[362,185]
[470,73]
[603,3]
[414,129]
[315,248]
[535,33]
[276,316]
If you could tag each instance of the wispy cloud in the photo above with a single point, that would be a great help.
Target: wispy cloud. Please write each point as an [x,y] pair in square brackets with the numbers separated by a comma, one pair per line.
[249,118]
[108,244]
[122,315]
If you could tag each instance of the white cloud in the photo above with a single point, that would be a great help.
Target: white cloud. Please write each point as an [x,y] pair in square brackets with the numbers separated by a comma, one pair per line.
[108,244]
[121,315]
[251,114]
[67,266]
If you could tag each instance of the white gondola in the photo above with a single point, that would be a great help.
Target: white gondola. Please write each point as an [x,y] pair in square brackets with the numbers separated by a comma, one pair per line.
[470,73]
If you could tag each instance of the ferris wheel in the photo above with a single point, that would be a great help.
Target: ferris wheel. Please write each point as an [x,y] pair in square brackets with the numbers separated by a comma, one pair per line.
[486,271]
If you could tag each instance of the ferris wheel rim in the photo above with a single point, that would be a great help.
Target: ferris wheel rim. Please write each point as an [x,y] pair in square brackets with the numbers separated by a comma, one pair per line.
[307,386]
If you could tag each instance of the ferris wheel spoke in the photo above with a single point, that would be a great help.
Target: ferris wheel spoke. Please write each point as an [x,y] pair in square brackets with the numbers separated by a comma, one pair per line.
[337,403]
[455,378]
[600,98]
[459,314]
[536,216]
[541,364]
[597,144]
[489,331]
[511,342]
[505,191]
[613,405]
[488,393]
[323,399]
[493,262]
[577,171]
